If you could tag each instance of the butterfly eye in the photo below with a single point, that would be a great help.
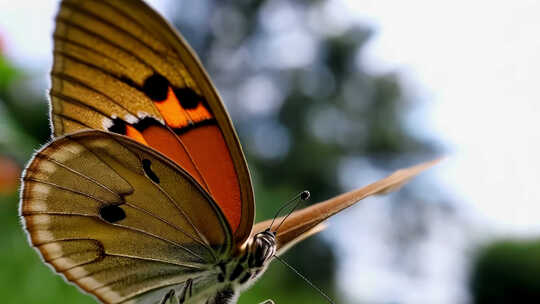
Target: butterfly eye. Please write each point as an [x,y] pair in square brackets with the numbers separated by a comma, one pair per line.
[112,213]
[156,87]
[305,195]
[148,170]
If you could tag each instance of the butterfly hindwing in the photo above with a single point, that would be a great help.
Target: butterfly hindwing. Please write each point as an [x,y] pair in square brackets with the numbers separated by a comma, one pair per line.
[119,220]
[120,67]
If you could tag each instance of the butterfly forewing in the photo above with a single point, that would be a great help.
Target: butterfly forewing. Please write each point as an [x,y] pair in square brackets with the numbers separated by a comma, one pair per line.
[120,67]
[118,219]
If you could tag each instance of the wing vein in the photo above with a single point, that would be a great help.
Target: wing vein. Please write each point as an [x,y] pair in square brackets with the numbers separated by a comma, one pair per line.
[108,23]
[180,246]
[66,40]
[66,77]
[95,35]
[98,68]
[73,120]
[180,209]
[169,198]
[170,224]
[188,264]
[64,188]
[155,52]
[78,102]
[83,176]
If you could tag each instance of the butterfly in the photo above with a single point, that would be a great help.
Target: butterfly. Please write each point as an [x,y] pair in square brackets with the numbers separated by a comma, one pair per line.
[144,195]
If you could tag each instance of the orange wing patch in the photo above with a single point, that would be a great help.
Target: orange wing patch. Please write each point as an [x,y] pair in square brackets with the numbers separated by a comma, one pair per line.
[180,111]
[135,134]
[175,116]
[199,114]
[163,140]
[191,138]
[180,107]
[212,157]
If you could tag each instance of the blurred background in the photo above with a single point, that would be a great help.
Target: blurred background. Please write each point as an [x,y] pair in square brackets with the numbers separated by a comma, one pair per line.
[330,95]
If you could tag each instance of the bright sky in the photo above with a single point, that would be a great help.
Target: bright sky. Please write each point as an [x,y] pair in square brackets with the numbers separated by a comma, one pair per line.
[26,28]
[475,64]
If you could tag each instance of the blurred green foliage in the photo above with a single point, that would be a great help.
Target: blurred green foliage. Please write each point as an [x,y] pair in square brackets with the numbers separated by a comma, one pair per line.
[507,271]
[327,109]
[24,277]
[7,74]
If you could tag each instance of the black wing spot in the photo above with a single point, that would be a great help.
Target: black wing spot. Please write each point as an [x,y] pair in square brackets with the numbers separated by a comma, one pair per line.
[112,213]
[145,123]
[119,126]
[156,87]
[148,170]
[187,97]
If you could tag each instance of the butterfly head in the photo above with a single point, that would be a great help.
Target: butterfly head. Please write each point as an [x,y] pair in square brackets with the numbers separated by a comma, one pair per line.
[262,248]
[251,263]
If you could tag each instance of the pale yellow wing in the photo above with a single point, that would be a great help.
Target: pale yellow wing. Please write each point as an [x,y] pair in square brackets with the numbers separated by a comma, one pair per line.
[118,219]
[308,221]
[119,66]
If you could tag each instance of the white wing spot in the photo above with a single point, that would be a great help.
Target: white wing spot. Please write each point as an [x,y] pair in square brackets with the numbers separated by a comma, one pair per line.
[142,115]
[107,122]
[131,119]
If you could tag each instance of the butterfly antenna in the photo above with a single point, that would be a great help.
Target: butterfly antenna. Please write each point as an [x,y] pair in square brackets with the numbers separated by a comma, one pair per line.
[306,280]
[300,195]
[304,196]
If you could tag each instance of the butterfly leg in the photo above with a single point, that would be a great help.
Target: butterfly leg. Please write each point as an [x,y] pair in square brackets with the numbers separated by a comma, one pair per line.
[186,292]
[267,302]
[169,298]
